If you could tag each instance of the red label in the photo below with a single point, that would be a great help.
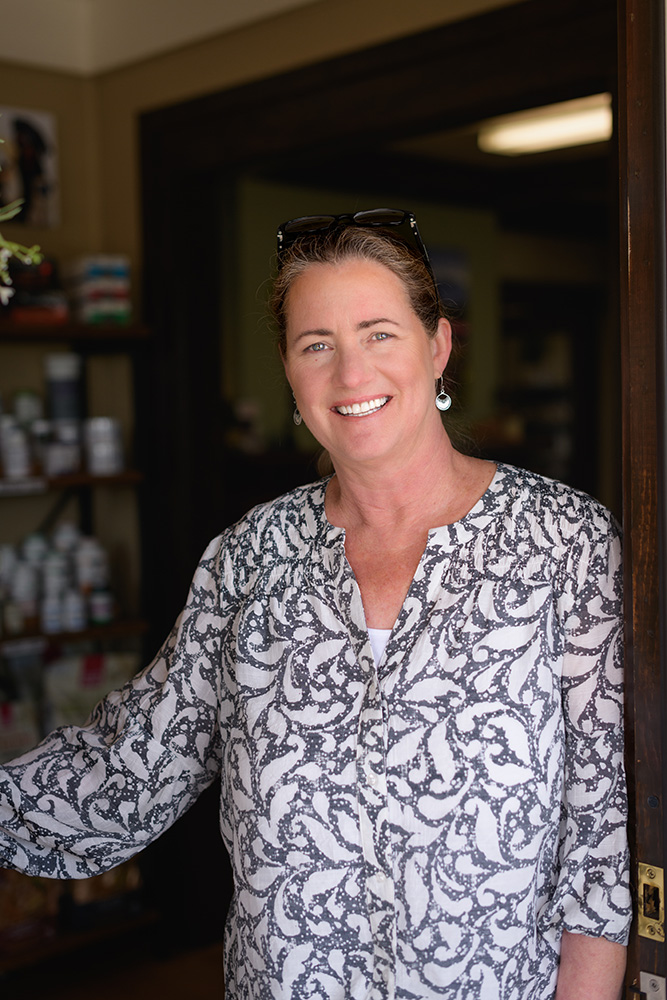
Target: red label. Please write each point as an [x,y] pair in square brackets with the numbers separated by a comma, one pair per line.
[93,670]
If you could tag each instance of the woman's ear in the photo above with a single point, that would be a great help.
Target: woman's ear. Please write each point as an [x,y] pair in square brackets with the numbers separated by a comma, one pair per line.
[441,346]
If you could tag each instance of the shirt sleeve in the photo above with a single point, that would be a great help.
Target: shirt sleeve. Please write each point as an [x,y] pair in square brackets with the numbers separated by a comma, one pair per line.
[89,797]
[592,892]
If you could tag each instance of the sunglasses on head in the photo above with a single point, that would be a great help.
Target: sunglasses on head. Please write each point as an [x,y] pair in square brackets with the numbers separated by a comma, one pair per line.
[295,229]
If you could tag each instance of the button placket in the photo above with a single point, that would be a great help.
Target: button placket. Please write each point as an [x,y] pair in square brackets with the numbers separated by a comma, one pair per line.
[376,845]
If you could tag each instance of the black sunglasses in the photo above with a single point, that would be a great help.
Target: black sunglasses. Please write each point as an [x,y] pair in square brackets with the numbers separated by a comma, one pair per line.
[294,229]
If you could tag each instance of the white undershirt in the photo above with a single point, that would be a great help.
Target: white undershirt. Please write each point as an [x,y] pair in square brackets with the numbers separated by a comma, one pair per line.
[379,638]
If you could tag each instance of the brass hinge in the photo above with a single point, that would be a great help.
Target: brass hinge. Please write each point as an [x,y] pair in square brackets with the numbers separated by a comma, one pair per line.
[651,902]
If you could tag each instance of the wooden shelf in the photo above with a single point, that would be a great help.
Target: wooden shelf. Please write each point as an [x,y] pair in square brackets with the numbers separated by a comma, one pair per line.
[72,332]
[122,629]
[43,484]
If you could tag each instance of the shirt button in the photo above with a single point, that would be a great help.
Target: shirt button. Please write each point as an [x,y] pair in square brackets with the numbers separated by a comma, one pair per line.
[381,877]
[372,779]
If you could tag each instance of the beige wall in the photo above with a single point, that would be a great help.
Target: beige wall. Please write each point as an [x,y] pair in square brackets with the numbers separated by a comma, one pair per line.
[72,99]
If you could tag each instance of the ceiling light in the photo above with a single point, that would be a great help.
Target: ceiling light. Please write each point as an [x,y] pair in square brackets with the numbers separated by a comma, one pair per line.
[570,123]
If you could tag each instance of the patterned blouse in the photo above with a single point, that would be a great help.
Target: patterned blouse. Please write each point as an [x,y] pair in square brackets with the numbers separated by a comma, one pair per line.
[425,828]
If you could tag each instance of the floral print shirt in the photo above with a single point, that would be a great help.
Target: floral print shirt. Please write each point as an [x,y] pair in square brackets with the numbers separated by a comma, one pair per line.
[424,828]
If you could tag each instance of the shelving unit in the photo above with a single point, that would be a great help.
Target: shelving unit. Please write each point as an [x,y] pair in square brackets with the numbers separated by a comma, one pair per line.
[123,628]
[76,918]
[43,484]
[72,333]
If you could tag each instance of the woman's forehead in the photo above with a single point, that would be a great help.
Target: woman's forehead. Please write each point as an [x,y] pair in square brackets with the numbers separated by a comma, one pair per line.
[351,279]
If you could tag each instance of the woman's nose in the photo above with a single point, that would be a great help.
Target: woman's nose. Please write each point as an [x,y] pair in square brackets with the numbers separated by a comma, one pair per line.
[353,367]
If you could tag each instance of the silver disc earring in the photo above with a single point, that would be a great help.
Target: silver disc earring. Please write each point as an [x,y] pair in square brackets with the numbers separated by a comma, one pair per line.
[443,400]
[296,416]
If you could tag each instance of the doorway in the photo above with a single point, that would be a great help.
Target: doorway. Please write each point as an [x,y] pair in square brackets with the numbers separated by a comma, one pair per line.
[322,126]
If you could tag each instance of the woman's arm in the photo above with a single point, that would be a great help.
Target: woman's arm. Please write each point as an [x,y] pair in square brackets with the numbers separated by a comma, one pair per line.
[592,897]
[90,797]
[590,967]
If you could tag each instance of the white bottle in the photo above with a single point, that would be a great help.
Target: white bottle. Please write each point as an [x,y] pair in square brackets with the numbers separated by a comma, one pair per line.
[15,450]
[74,618]
[101,605]
[90,560]
[51,614]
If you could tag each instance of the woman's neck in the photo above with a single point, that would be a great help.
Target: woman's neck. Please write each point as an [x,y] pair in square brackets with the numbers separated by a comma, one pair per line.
[375,497]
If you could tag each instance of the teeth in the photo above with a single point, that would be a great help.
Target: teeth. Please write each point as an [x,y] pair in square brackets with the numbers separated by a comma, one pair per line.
[369,406]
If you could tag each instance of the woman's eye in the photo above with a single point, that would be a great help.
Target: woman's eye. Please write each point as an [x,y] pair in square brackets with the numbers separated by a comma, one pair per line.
[381,335]
[316,347]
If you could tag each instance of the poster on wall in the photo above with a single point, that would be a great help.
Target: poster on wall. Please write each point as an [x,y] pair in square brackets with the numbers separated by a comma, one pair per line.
[29,165]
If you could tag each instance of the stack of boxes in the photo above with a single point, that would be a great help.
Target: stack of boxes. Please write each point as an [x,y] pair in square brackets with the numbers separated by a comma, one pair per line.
[98,286]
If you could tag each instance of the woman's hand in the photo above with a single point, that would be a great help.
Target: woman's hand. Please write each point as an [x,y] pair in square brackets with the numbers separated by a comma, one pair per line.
[590,967]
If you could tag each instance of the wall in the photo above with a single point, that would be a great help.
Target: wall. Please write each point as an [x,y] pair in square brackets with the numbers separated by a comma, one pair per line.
[72,99]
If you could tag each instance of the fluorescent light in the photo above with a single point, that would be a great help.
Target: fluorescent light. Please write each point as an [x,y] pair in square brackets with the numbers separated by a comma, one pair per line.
[570,123]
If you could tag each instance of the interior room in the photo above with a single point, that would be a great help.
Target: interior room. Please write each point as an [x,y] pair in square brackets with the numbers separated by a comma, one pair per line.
[181,140]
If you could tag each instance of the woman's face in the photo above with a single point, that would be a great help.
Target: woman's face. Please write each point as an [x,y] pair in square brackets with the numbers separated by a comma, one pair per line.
[361,365]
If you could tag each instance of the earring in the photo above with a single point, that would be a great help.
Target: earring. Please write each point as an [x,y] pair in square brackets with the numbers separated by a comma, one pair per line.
[443,400]
[296,416]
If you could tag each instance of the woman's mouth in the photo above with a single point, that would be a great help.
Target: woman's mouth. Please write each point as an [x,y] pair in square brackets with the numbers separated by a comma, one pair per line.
[363,409]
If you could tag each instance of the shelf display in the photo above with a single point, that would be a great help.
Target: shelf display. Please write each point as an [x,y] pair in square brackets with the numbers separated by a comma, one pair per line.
[65,639]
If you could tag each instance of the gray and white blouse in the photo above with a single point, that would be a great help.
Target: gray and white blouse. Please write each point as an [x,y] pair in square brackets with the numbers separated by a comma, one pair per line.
[421,829]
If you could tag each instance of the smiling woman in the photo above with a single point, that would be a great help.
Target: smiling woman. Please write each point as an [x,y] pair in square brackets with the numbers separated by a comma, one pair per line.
[408,676]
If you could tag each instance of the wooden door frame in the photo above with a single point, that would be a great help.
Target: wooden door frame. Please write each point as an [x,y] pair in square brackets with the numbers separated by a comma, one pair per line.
[641,126]
[536,52]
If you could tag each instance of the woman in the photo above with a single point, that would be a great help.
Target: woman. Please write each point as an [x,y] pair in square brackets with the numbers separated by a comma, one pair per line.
[408,675]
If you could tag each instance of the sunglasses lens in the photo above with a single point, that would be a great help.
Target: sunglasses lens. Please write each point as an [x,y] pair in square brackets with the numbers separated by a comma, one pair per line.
[380,217]
[308,224]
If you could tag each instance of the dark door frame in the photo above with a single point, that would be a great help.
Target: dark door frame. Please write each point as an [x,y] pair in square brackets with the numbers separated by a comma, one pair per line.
[641,127]
[526,54]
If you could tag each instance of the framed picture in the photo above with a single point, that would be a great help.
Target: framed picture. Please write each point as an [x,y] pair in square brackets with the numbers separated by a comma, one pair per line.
[29,165]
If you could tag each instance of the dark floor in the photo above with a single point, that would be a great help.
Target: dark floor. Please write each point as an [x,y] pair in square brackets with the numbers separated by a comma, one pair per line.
[190,975]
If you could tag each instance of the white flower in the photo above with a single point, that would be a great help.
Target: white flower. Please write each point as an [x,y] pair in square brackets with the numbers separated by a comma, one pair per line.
[5,294]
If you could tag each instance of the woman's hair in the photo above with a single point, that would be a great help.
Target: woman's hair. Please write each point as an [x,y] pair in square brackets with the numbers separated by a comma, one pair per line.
[383,246]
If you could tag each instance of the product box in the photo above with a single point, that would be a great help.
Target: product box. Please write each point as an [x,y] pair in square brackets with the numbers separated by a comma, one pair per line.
[98,286]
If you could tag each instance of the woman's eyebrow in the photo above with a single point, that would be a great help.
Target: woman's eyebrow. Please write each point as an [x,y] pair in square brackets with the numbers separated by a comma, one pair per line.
[312,333]
[365,323]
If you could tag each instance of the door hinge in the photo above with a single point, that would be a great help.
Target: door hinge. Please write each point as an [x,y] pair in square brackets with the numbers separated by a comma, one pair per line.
[651,902]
